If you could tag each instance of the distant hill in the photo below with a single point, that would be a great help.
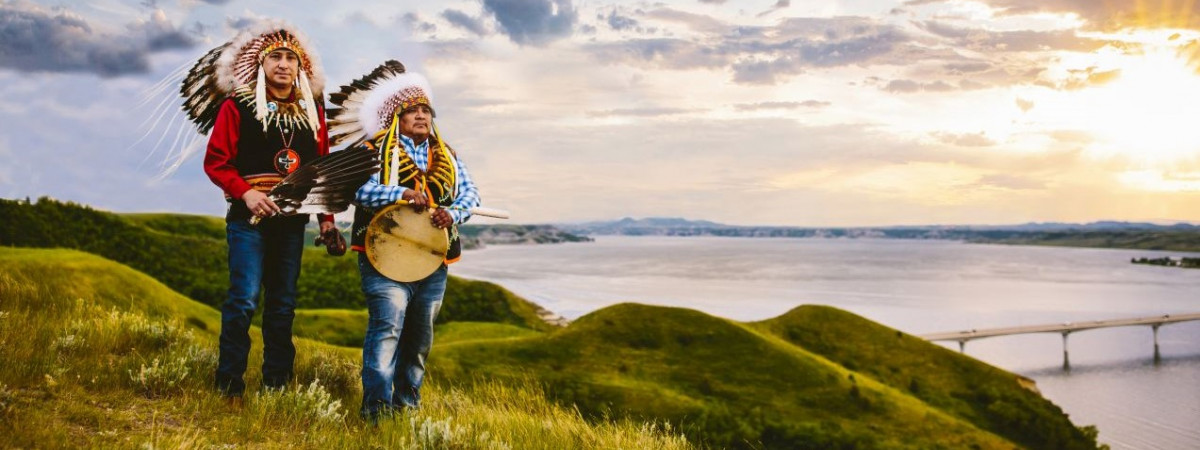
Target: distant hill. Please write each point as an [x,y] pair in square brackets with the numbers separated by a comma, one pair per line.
[816,377]
[476,236]
[1109,234]
[188,253]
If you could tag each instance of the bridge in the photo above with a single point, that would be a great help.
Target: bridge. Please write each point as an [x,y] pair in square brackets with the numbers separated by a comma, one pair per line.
[1065,328]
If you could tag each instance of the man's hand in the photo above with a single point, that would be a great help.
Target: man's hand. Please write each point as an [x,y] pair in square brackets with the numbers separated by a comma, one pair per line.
[416,199]
[441,218]
[259,204]
[326,226]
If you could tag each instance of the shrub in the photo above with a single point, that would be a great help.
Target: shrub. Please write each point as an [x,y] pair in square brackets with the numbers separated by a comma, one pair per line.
[161,377]
[303,406]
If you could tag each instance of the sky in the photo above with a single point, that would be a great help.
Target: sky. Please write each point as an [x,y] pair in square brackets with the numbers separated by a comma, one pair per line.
[773,112]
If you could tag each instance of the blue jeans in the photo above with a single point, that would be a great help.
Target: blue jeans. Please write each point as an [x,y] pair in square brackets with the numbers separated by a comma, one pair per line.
[267,255]
[399,336]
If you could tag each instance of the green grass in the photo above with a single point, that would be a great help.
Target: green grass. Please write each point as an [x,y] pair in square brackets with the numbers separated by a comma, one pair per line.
[99,355]
[188,253]
[981,394]
[347,328]
[738,385]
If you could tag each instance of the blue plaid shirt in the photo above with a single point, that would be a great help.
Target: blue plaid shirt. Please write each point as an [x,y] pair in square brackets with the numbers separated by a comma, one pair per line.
[375,195]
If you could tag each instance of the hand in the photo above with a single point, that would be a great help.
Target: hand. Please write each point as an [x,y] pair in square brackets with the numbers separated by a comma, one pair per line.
[416,199]
[259,204]
[441,218]
[326,226]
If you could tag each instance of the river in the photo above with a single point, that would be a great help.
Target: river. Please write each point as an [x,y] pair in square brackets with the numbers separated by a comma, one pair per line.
[918,287]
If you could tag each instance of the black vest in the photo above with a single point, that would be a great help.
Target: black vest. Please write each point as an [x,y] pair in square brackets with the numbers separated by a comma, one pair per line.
[262,153]
[363,215]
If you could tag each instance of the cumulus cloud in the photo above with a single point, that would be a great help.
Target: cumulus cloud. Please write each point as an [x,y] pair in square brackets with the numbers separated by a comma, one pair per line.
[464,21]
[40,39]
[534,22]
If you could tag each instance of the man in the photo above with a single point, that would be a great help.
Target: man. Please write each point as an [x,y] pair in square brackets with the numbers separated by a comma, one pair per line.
[267,127]
[419,169]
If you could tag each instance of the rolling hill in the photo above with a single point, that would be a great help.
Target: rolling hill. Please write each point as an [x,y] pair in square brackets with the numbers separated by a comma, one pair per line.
[98,355]
[188,253]
[782,383]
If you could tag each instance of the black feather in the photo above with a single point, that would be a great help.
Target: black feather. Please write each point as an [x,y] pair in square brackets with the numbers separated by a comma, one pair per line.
[202,96]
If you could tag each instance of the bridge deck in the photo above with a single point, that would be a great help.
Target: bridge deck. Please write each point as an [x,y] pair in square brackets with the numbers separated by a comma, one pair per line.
[1065,327]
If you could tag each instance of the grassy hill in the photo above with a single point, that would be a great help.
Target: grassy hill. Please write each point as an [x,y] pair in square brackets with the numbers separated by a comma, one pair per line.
[130,362]
[783,383]
[188,254]
[981,394]
[99,355]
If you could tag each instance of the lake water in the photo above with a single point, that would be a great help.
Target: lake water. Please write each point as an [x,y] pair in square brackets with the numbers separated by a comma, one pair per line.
[918,287]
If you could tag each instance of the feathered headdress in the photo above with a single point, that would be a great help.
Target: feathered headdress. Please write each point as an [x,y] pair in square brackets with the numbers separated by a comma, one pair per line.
[238,63]
[370,107]
[369,104]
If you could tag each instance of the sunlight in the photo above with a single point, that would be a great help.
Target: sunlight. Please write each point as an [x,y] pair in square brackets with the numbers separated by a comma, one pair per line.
[1150,112]
[1139,105]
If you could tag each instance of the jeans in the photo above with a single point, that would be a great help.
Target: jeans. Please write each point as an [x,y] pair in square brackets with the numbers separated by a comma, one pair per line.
[399,336]
[267,255]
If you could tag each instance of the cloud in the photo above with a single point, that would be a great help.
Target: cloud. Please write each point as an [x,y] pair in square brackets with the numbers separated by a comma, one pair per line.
[766,55]
[1014,182]
[464,21]
[535,22]
[34,38]
[417,24]
[990,41]
[640,112]
[910,86]
[781,105]
[780,4]
[979,139]
[619,22]
[1080,79]
[960,68]
[696,22]
[1025,105]
[1111,15]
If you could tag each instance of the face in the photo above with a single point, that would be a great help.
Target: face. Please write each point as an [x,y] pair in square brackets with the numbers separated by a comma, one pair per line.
[416,122]
[281,68]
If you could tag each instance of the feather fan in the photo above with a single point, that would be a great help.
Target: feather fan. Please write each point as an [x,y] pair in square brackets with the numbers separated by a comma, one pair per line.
[327,185]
